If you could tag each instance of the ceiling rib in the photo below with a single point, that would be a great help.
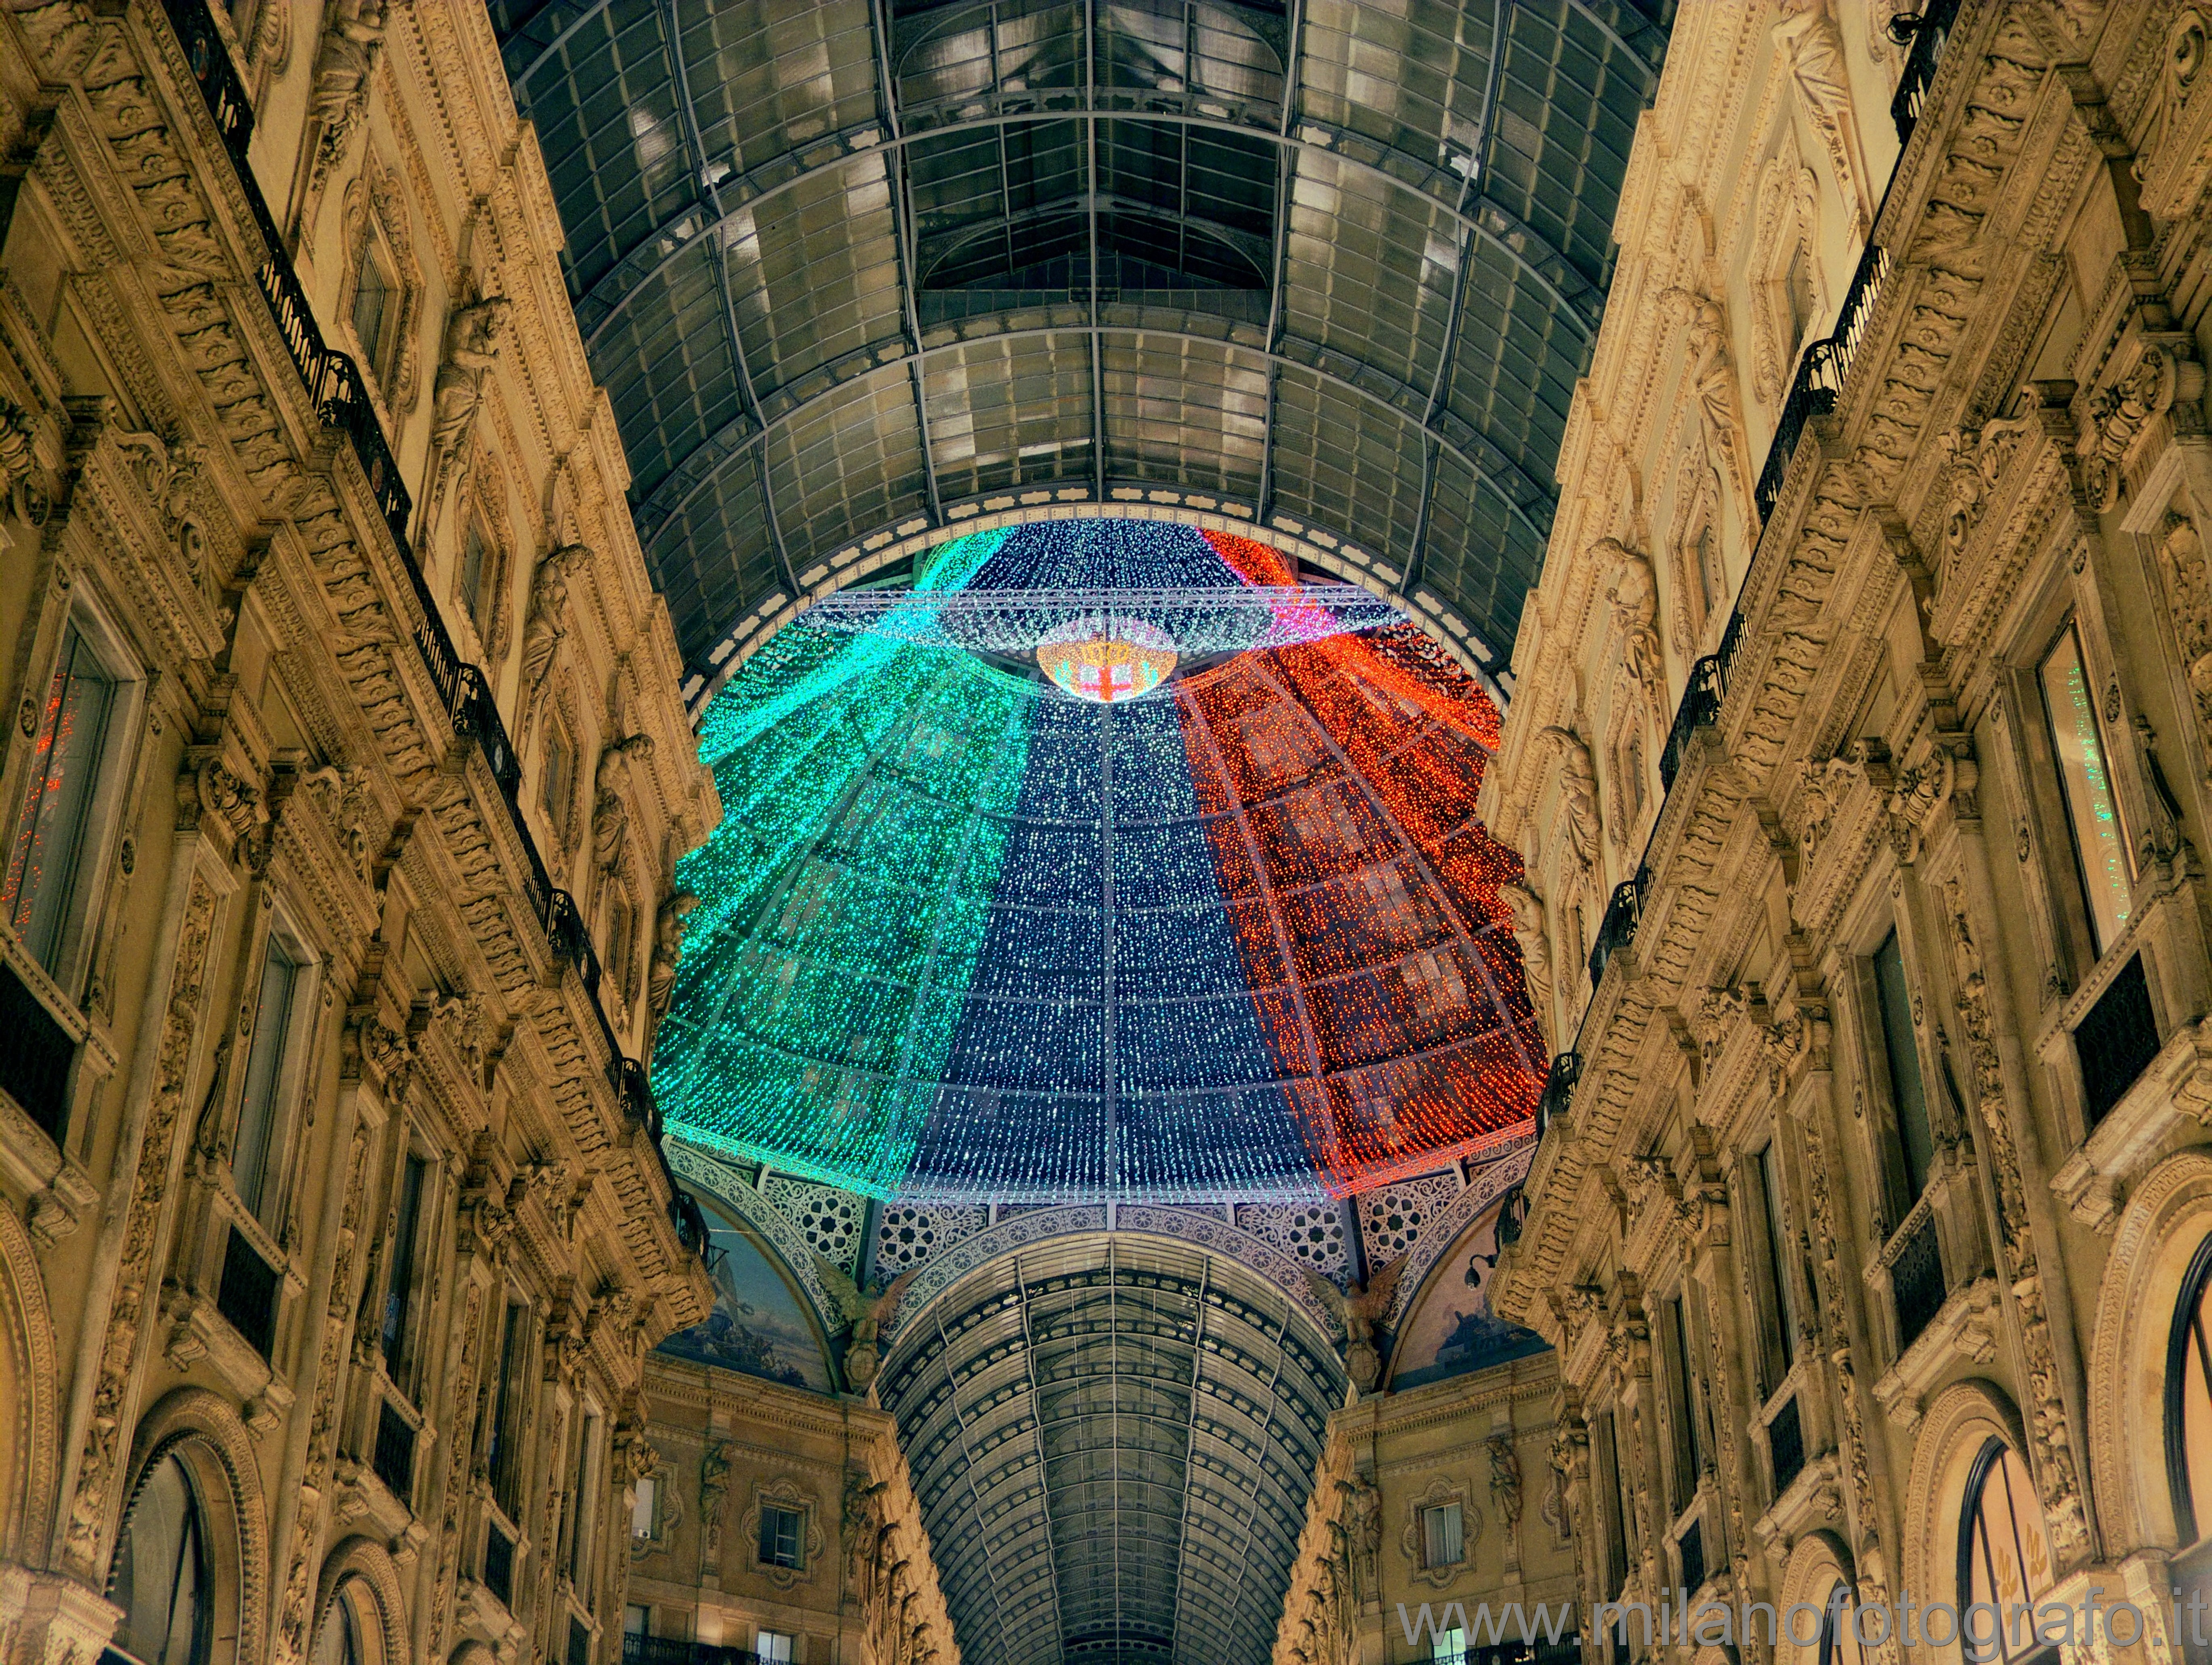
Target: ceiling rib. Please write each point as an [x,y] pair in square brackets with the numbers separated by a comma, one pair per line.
[1091,180]
[1259,1464]
[1286,157]
[1478,169]
[694,152]
[1190,1443]
[903,235]
[974,1498]
[659,510]
[1044,1469]
[1481,218]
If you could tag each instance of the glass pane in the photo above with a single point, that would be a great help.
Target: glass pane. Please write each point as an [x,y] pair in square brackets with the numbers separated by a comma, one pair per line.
[48,838]
[400,1287]
[2008,1559]
[160,1576]
[1448,1647]
[2192,1364]
[770,1646]
[642,1521]
[2100,851]
[1905,1086]
[1442,1525]
[337,1644]
[369,297]
[1839,1639]
[1783,1337]
[255,1152]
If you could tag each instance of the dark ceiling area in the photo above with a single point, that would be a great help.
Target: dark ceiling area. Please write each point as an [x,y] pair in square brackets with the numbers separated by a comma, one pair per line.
[854,266]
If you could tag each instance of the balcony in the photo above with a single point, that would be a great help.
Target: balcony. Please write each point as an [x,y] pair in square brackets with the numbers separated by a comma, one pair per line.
[247,1297]
[334,385]
[1618,929]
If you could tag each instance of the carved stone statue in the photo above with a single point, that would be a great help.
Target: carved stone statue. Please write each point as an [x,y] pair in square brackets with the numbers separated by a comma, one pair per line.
[1712,379]
[1808,39]
[472,343]
[1536,942]
[345,63]
[667,942]
[864,1309]
[609,808]
[1359,1309]
[713,1489]
[541,635]
[1363,1531]
[1633,596]
[1505,1478]
[1578,785]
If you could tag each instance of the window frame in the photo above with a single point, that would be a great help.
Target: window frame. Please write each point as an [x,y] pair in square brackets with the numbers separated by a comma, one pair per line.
[772,1510]
[2069,629]
[1882,1051]
[1773,1298]
[407,1264]
[287,1085]
[1431,1513]
[104,817]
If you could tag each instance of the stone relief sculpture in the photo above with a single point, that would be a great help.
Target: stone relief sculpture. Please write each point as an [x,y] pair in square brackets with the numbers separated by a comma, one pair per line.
[1633,596]
[1359,1309]
[1808,36]
[472,343]
[346,63]
[609,808]
[1578,786]
[714,1490]
[1712,381]
[1528,931]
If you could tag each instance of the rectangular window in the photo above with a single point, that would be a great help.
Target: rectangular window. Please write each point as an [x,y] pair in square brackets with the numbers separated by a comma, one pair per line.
[1682,1414]
[472,573]
[1778,1330]
[371,308]
[1612,1504]
[1906,1087]
[1443,1535]
[580,1510]
[636,1620]
[503,1456]
[53,821]
[2100,856]
[258,1152]
[645,1513]
[773,1645]
[400,1290]
[780,1536]
[1448,1647]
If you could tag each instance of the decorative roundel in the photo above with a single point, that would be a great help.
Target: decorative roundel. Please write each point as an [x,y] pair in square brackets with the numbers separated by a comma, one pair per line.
[1105,660]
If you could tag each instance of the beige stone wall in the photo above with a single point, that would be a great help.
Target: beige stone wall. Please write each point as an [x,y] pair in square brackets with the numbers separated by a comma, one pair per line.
[727,1446]
[2006,440]
[1478,1443]
[293,767]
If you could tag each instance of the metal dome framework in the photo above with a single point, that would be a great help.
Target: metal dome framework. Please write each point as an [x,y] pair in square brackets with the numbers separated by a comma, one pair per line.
[1113,1438]
[863,269]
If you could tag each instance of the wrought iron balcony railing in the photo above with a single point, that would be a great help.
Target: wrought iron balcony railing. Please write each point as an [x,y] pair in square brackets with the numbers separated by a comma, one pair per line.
[334,385]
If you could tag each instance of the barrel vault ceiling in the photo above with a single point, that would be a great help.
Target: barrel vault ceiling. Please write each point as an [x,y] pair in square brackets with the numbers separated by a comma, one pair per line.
[1112,1439]
[854,267]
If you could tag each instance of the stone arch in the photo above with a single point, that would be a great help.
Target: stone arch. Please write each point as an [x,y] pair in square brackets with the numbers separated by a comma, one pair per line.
[203,1432]
[472,1652]
[364,1562]
[1964,1418]
[2167,1218]
[1818,1562]
[30,1440]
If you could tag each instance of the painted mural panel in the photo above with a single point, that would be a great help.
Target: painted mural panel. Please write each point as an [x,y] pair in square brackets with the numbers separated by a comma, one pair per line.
[1451,1330]
[757,1326]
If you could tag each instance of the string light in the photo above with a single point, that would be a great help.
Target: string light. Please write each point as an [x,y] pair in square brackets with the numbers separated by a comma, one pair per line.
[963,934]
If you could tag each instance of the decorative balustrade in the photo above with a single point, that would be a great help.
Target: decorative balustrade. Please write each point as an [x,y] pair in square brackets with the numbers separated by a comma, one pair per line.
[1623,913]
[1931,29]
[341,399]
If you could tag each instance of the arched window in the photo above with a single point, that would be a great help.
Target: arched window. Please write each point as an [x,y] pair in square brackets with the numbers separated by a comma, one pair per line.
[2188,1442]
[338,1642]
[1839,1636]
[160,1575]
[2004,1560]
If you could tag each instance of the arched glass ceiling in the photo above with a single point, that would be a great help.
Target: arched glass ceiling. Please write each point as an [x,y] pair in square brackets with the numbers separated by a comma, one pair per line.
[849,265]
[1113,1440]
[962,933]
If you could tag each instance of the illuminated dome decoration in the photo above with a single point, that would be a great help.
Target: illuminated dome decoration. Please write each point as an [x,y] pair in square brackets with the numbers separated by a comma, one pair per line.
[1106,659]
[963,936]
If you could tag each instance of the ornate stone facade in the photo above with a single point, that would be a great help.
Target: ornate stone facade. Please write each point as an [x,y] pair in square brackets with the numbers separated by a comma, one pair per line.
[331,1210]
[1885,1160]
